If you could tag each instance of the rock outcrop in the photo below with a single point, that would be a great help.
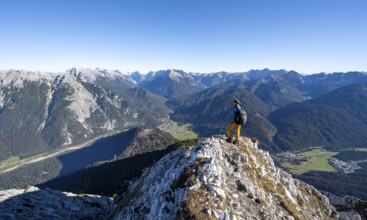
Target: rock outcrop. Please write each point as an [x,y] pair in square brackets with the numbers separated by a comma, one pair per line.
[33,203]
[348,207]
[218,180]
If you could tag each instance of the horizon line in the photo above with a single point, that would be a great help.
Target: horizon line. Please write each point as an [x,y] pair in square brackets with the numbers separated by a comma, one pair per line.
[176,69]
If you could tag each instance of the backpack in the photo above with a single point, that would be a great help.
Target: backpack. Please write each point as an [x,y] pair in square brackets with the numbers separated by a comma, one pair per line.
[241,117]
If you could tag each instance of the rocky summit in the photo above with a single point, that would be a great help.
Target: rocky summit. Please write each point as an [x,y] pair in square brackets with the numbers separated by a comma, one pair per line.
[220,180]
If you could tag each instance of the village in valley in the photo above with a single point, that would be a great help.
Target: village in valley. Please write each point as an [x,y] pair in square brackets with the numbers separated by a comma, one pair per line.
[316,159]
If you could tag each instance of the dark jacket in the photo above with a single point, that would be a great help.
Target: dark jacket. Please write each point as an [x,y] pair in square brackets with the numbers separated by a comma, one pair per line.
[236,112]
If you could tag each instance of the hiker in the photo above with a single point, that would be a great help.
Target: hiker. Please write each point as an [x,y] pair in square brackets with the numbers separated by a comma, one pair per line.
[235,123]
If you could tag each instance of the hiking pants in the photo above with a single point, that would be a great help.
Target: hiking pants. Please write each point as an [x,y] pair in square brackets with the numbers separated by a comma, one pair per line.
[230,127]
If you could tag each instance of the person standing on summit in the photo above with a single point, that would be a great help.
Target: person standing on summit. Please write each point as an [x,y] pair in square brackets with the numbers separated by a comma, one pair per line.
[235,123]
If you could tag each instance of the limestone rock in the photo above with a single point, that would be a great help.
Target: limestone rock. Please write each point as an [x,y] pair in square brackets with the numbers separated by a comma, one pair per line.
[33,203]
[219,180]
[349,207]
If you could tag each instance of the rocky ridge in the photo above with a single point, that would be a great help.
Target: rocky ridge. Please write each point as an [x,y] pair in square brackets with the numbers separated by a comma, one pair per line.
[33,203]
[218,180]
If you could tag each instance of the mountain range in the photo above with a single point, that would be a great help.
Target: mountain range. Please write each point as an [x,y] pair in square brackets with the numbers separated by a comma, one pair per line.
[45,111]
[42,113]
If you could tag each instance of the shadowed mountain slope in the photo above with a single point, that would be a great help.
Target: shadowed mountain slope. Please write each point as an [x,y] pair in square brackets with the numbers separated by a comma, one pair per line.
[336,120]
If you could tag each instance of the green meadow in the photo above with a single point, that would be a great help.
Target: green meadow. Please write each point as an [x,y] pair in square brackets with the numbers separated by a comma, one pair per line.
[182,133]
[318,160]
[10,162]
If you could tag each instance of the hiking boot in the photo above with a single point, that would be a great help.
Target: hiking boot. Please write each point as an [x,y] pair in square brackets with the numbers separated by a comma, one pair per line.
[229,140]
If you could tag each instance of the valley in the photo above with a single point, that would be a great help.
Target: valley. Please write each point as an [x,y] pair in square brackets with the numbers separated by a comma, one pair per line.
[15,162]
[180,132]
[38,169]
[109,147]
[339,172]
[320,159]
[299,163]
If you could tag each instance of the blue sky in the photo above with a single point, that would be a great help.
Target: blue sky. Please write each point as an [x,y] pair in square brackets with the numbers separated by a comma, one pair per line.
[308,36]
